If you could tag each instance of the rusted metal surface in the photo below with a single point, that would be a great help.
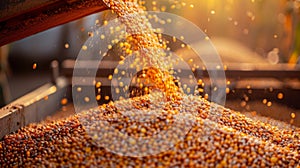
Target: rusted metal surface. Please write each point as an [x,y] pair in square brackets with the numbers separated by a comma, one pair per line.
[12,8]
[32,107]
[22,18]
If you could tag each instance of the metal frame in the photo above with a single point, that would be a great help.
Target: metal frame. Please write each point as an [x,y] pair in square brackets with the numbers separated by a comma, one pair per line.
[32,107]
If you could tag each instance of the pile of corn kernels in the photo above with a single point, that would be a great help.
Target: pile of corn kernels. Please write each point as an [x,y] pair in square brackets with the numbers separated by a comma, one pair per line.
[217,137]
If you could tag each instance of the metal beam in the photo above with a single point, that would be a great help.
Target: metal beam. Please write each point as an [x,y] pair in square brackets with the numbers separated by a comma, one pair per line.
[22,18]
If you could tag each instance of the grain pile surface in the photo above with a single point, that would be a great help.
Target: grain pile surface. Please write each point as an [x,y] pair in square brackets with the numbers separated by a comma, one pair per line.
[201,134]
[217,137]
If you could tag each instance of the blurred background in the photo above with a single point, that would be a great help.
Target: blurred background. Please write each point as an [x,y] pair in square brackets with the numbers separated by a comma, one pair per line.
[243,31]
